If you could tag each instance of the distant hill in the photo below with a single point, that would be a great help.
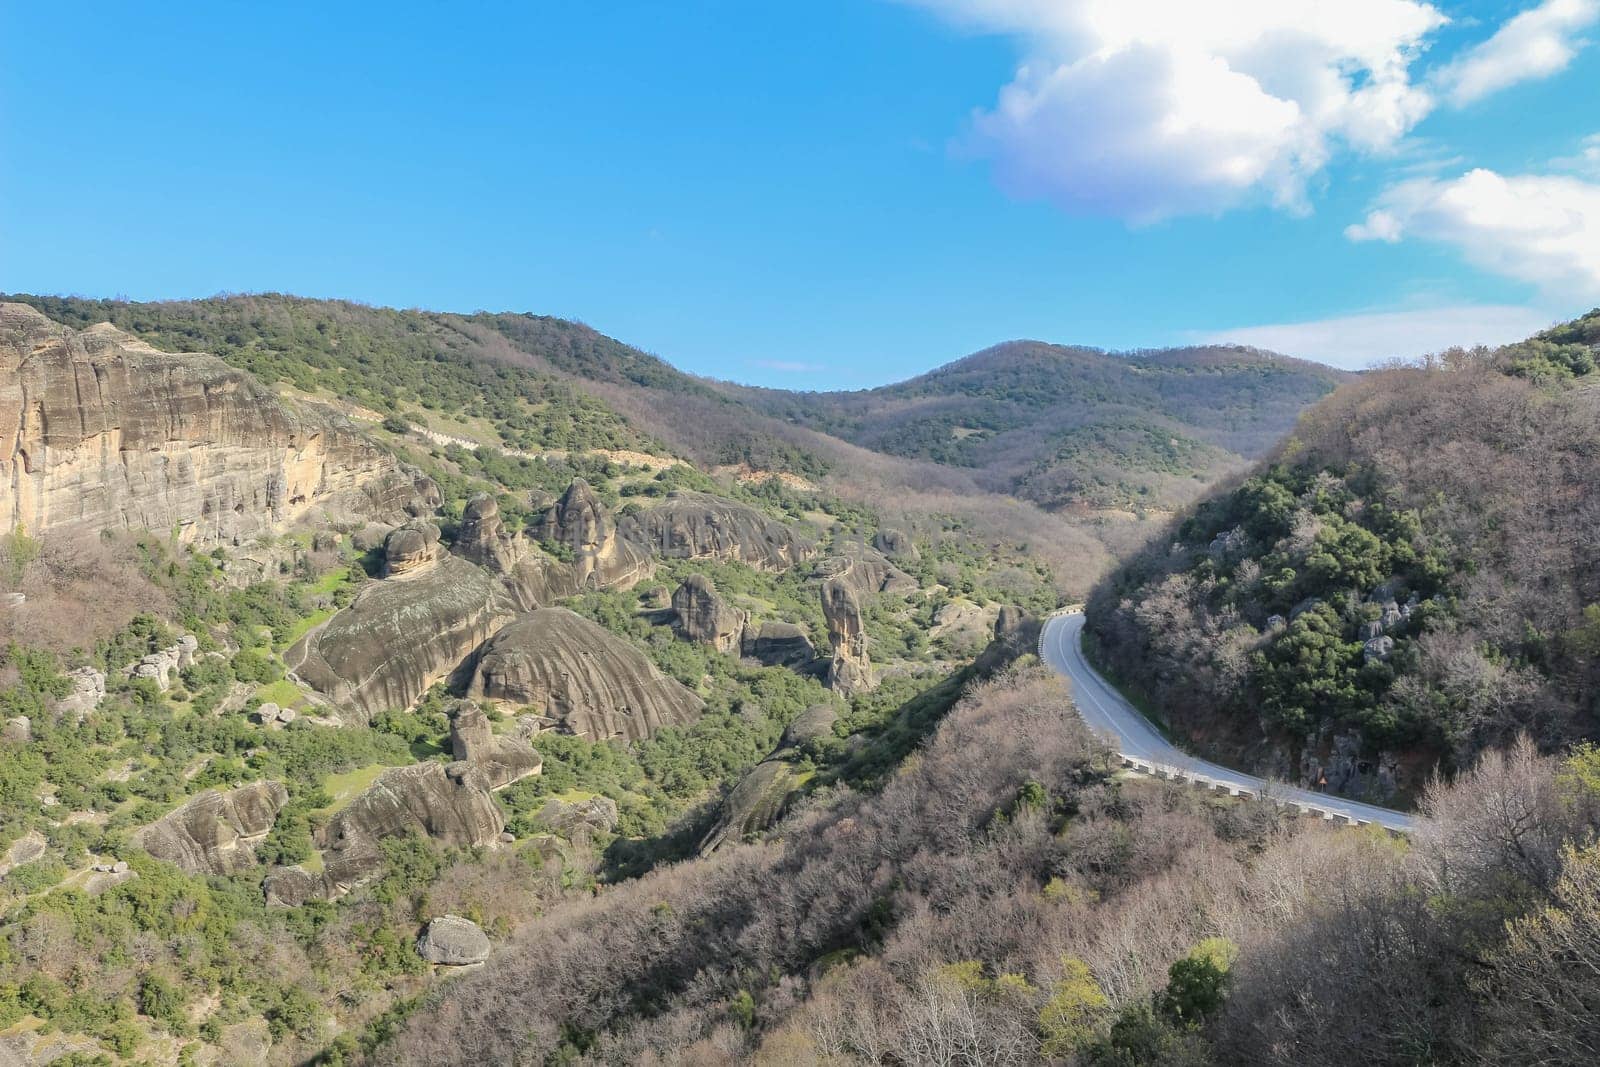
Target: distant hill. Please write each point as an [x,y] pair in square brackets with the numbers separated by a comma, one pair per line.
[1069,426]
[1410,578]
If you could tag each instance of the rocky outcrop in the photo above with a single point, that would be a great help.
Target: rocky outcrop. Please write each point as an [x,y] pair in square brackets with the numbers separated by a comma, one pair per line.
[99,431]
[18,730]
[449,803]
[216,833]
[850,671]
[88,690]
[403,634]
[705,618]
[482,537]
[896,544]
[866,572]
[161,665]
[410,548]
[452,941]
[594,684]
[502,760]
[690,525]
[779,644]
[765,794]
[581,524]
[578,818]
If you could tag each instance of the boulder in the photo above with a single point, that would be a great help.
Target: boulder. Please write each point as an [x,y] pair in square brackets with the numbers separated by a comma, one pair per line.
[502,760]
[705,618]
[452,941]
[410,548]
[161,665]
[779,644]
[400,636]
[100,431]
[482,538]
[896,544]
[813,724]
[692,525]
[17,730]
[594,684]
[866,572]
[215,833]
[1379,648]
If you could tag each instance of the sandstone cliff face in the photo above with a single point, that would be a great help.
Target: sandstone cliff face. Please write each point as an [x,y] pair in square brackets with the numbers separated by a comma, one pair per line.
[765,794]
[100,431]
[780,644]
[403,634]
[689,525]
[600,558]
[216,833]
[502,760]
[866,571]
[594,684]
[707,619]
[850,671]
[896,544]
[451,804]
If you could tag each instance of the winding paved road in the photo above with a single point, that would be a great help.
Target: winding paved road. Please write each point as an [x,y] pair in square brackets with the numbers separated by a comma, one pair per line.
[1111,716]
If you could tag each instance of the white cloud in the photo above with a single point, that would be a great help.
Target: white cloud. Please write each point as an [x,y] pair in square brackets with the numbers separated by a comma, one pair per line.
[1358,341]
[1151,108]
[1587,161]
[1535,44]
[1543,229]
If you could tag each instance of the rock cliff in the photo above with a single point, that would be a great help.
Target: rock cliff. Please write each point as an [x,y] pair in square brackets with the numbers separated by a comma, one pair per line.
[100,431]
[690,525]
[215,833]
[594,684]
[502,760]
[403,634]
[764,795]
[581,524]
[779,644]
[704,617]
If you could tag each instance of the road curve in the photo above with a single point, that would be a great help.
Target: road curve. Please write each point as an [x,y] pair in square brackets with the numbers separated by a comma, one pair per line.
[1109,714]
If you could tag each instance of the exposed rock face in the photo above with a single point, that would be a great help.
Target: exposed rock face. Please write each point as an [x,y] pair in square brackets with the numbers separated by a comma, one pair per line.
[594,684]
[705,618]
[88,690]
[18,730]
[866,572]
[410,548]
[581,818]
[450,803]
[161,665]
[601,559]
[502,760]
[453,941]
[482,538]
[216,833]
[780,644]
[690,525]
[764,795]
[401,635]
[100,431]
[850,671]
[1333,762]
[896,544]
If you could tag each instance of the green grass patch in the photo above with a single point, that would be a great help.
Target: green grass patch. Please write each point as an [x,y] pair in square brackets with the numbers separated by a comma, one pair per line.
[282,693]
[345,787]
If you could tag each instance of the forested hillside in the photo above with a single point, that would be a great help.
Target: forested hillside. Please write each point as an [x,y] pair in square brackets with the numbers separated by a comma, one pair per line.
[1408,580]
[1078,427]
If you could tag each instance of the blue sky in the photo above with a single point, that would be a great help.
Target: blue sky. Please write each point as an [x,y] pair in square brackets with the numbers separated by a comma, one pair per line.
[833,193]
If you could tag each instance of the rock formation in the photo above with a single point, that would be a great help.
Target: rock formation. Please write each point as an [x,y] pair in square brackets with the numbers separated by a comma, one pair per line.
[161,665]
[403,634]
[707,619]
[896,544]
[410,548]
[850,671]
[502,760]
[764,795]
[216,833]
[452,941]
[779,644]
[866,572]
[594,684]
[450,803]
[482,538]
[88,690]
[690,525]
[100,431]
[583,525]
[577,819]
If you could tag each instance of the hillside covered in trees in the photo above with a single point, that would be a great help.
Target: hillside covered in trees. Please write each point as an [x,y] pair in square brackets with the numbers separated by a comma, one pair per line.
[1408,580]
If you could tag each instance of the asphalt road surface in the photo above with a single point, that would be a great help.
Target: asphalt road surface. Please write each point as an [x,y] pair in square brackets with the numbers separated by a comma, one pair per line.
[1111,716]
